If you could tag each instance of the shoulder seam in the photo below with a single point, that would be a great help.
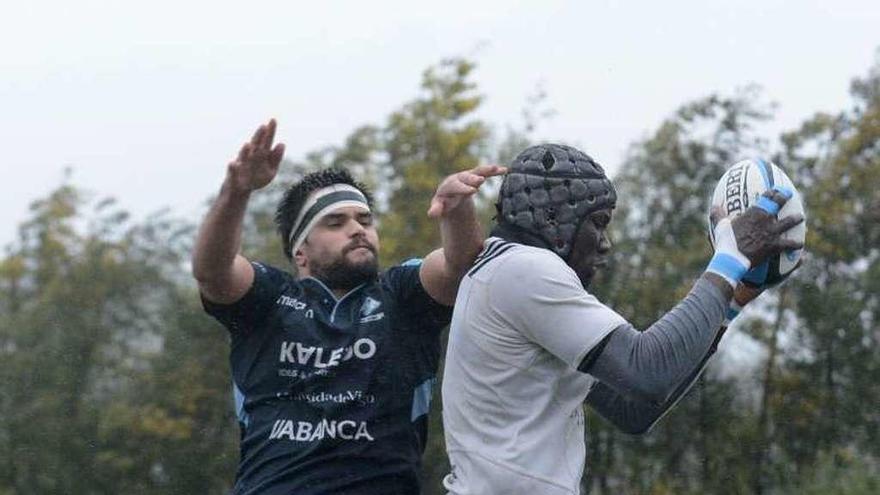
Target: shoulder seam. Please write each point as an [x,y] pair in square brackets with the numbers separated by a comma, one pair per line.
[491,248]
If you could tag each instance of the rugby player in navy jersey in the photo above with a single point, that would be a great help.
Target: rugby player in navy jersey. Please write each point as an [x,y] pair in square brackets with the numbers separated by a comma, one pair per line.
[332,361]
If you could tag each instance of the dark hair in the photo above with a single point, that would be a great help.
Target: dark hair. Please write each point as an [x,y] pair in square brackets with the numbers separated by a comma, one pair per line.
[293,200]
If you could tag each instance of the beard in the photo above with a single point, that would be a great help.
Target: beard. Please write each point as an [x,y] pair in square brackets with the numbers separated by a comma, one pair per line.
[342,274]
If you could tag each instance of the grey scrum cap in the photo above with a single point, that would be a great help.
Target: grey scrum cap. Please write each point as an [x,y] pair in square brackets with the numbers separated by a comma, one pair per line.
[549,189]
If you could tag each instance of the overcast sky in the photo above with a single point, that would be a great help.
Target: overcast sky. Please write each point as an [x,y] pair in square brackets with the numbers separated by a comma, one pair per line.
[147,102]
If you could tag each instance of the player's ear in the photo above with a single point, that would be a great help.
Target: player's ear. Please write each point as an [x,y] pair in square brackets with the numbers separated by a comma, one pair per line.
[299,258]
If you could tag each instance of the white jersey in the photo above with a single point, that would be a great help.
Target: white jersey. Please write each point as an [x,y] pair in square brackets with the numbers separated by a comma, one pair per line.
[512,394]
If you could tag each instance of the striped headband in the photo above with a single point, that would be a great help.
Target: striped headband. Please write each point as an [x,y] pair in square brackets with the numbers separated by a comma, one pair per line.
[318,205]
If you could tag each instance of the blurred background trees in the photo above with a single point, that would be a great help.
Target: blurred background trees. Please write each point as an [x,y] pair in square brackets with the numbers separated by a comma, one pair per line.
[114,381]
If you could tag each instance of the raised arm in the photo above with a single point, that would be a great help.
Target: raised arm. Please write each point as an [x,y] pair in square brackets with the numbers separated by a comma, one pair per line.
[659,364]
[224,275]
[460,231]
[635,416]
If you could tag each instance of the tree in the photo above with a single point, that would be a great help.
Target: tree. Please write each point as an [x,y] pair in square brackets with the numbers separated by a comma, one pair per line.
[79,311]
[838,158]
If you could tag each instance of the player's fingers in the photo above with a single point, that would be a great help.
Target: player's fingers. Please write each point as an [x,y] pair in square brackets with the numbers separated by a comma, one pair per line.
[789,244]
[471,179]
[244,152]
[276,155]
[269,135]
[786,223]
[457,188]
[436,208]
[489,170]
[772,200]
[258,135]
[779,195]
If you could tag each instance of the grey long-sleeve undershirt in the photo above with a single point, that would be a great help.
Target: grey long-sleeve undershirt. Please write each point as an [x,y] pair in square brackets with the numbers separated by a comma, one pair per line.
[643,374]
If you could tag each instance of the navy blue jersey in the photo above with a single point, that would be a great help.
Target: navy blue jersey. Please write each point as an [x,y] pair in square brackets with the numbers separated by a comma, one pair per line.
[332,395]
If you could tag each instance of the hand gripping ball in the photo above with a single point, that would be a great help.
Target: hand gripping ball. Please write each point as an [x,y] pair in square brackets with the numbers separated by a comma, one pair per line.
[739,188]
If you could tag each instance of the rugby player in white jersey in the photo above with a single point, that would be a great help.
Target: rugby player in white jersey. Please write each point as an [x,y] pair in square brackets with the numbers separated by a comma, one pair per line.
[529,345]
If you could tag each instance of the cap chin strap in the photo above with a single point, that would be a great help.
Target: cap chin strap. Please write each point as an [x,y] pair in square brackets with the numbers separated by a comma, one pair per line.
[318,205]
[519,235]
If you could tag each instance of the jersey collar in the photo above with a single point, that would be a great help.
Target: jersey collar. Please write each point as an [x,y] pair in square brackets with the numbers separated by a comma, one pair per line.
[325,296]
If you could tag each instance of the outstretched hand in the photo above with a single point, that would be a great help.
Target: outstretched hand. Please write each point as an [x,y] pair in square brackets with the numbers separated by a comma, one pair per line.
[257,162]
[459,187]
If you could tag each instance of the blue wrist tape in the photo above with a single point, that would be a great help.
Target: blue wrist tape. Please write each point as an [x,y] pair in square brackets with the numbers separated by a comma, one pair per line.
[727,266]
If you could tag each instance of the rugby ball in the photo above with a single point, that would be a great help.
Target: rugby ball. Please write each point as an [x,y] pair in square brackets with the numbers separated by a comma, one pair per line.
[739,188]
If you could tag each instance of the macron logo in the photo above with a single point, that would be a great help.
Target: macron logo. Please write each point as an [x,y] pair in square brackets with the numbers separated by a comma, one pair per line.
[291,302]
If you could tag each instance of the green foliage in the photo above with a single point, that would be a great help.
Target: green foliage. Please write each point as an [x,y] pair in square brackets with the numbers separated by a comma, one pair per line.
[87,316]
[837,307]
[842,472]
[425,141]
